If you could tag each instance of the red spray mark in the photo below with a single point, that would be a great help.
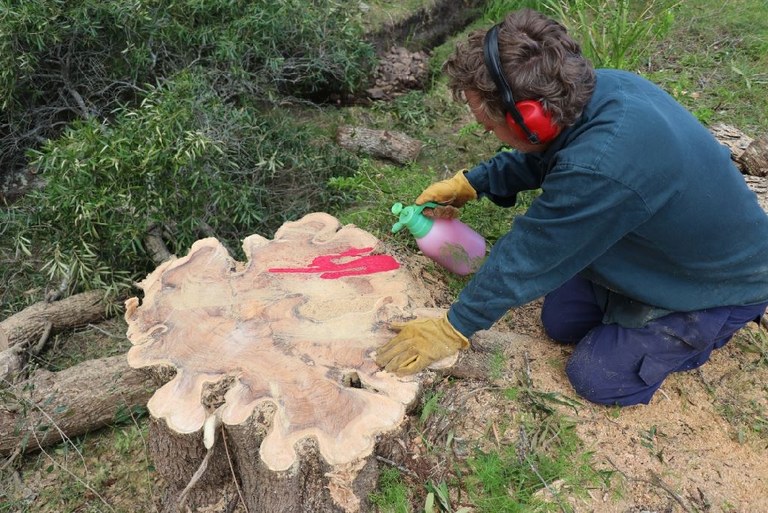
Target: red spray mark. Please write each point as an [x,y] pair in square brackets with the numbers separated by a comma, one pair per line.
[331,269]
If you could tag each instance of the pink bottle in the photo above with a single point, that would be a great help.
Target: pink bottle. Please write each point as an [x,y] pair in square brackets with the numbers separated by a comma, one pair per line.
[449,242]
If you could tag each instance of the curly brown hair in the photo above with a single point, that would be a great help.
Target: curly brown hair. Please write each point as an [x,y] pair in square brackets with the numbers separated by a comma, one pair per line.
[540,62]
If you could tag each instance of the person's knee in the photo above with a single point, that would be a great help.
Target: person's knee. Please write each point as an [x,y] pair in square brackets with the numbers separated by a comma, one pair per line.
[601,385]
[555,326]
[583,381]
[562,327]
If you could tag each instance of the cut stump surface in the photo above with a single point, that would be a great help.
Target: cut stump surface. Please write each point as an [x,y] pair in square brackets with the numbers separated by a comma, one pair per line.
[290,332]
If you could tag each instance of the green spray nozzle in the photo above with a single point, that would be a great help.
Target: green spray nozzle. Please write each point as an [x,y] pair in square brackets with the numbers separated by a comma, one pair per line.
[413,218]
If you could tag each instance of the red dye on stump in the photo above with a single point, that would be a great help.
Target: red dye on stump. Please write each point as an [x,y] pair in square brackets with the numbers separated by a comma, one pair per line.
[338,265]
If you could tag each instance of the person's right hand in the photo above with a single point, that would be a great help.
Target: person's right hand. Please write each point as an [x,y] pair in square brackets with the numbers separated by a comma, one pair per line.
[454,191]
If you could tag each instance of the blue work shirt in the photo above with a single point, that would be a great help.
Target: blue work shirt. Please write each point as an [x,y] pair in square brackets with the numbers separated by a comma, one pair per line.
[638,197]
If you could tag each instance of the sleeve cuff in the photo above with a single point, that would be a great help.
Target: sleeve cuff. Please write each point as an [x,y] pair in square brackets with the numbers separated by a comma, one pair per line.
[466,329]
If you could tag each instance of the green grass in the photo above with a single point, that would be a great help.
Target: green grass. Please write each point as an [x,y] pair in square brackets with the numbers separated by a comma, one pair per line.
[743,405]
[104,472]
[715,62]
[392,495]
[547,464]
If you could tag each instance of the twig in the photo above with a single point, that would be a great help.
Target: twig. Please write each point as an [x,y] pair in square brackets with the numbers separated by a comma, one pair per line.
[398,467]
[528,380]
[37,348]
[65,469]
[105,332]
[656,480]
[195,478]
[11,458]
[64,437]
[232,469]
[524,441]
[145,452]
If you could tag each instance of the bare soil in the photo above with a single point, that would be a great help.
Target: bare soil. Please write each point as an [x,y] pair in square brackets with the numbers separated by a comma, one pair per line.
[699,446]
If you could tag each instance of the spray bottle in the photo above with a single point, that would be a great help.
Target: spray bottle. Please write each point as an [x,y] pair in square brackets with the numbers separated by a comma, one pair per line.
[449,242]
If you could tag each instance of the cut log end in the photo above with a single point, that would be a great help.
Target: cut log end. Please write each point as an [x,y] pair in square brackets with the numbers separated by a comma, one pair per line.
[291,330]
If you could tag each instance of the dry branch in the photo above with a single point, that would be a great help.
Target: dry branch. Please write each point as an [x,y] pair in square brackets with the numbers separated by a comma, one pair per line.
[53,406]
[155,245]
[386,144]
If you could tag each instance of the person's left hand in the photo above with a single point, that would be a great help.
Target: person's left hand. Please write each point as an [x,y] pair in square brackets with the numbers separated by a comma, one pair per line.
[418,344]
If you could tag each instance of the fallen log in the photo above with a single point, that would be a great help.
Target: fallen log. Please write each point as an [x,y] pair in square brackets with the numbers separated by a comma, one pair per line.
[30,327]
[760,187]
[750,154]
[53,406]
[385,144]
[275,398]
[755,157]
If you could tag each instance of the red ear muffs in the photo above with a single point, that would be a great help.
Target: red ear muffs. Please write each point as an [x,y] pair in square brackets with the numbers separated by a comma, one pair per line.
[538,121]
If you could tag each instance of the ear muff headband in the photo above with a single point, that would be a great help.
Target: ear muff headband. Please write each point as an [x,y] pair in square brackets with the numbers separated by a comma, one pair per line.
[543,128]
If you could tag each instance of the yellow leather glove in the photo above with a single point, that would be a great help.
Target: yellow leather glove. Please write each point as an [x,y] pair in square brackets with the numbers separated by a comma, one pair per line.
[454,191]
[419,343]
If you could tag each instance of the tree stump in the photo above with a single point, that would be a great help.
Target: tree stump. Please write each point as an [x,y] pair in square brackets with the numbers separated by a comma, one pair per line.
[274,399]
[755,157]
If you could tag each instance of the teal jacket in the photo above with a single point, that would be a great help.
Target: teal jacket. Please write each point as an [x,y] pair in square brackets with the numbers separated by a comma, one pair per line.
[638,197]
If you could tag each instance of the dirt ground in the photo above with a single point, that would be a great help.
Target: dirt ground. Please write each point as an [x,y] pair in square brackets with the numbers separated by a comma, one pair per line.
[699,446]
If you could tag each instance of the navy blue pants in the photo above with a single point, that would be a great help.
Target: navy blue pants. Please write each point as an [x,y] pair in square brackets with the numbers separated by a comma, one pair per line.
[614,365]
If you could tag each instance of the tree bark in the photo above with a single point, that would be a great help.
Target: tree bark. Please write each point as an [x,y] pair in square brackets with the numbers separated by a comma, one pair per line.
[750,154]
[275,393]
[755,157]
[386,144]
[53,406]
[759,186]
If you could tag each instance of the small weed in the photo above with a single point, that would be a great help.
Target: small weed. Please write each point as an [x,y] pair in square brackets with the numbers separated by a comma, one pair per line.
[392,495]
[749,418]
[438,499]
[431,406]
[547,462]
[615,33]
[650,440]
[754,343]
[497,365]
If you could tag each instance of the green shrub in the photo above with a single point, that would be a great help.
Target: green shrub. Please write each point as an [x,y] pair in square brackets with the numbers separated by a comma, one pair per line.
[614,33]
[81,59]
[312,45]
[514,478]
[185,160]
